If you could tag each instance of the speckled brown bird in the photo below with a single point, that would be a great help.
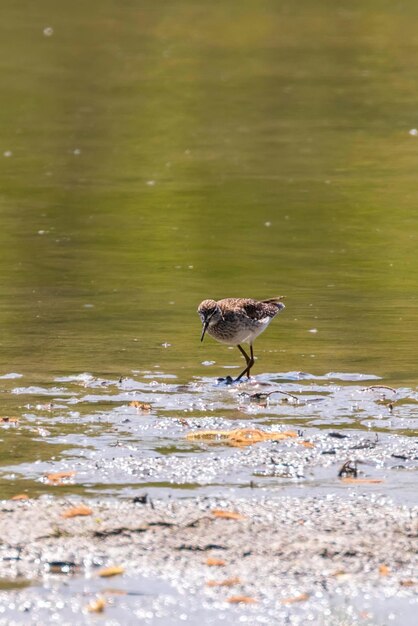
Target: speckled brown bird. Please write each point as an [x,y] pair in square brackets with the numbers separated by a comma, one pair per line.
[237,320]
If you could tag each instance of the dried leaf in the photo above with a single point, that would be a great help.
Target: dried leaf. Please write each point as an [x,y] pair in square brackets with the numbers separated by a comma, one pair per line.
[241,600]
[107,572]
[239,436]
[227,514]
[97,606]
[384,570]
[207,434]
[228,582]
[361,481]
[307,444]
[212,562]
[302,598]
[20,496]
[248,436]
[141,406]
[9,420]
[57,477]
[408,583]
[77,511]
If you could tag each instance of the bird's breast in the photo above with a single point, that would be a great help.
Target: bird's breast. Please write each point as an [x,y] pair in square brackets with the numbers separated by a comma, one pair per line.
[233,332]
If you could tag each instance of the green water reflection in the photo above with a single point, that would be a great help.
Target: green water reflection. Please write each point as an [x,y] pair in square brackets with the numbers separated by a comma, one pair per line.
[154,154]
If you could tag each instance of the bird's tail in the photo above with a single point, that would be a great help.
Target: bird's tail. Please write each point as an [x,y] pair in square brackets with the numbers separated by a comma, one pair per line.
[276,300]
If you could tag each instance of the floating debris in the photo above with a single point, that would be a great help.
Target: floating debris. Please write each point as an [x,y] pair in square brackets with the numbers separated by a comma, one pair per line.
[61,567]
[348,469]
[240,436]
[212,562]
[337,435]
[141,406]
[372,387]
[107,572]
[77,511]
[58,477]
[97,606]
[227,514]
[241,600]
[301,598]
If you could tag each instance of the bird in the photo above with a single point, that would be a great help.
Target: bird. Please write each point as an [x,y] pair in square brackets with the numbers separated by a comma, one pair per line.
[238,320]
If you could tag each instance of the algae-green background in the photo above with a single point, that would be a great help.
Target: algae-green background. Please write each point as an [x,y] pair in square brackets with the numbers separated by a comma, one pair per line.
[153,154]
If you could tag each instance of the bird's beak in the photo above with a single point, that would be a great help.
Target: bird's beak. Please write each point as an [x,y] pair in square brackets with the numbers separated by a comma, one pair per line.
[205,327]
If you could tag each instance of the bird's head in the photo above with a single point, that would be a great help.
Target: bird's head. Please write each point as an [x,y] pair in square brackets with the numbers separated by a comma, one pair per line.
[209,313]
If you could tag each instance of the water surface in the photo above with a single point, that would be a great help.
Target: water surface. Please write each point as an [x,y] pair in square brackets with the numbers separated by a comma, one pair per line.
[156,154]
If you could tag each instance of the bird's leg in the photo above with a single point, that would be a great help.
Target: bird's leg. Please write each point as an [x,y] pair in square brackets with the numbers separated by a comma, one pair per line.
[244,354]
[252,360]
[249,361]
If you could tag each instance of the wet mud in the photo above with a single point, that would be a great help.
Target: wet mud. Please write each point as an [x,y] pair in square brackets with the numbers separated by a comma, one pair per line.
[287,499]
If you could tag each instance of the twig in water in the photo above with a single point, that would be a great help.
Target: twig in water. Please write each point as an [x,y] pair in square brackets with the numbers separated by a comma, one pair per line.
[381,387]
[262,396]
[286,394]
[348,469]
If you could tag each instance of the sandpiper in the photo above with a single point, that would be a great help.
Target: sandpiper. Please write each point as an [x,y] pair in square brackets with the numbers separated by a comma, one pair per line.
[237,320]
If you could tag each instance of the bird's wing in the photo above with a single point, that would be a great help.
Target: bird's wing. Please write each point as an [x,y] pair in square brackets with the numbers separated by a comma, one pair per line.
[258,310]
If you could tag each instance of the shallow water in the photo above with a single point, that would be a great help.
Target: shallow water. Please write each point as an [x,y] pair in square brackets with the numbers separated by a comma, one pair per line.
[132,434]
[152,602]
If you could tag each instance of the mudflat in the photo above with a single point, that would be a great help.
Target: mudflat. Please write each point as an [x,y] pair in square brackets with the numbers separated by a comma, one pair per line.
[325,560]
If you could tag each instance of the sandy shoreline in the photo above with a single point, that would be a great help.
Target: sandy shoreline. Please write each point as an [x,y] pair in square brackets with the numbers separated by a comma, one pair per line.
[292,560]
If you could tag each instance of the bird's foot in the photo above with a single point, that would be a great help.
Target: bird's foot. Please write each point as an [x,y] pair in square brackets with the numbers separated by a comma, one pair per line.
[240,379]
[228,380]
